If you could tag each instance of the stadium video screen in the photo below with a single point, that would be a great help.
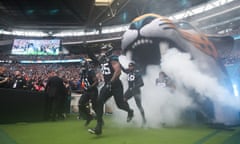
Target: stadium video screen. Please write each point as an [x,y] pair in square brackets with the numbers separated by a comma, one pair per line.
[36,47]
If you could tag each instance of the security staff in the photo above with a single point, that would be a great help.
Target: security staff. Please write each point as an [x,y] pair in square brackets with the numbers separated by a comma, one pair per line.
[56,94]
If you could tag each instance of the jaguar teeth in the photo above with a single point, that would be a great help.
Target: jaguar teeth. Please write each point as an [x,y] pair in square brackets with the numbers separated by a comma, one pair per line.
[141,41]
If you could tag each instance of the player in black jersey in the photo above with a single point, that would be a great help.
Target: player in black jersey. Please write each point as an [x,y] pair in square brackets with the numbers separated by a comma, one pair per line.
[135,82]
[89,84]
[111,71]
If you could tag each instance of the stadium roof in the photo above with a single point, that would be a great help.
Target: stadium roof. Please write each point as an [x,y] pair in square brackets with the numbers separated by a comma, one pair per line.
[55,15]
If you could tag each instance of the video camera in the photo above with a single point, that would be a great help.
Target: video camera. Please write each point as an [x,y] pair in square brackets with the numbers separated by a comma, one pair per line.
[84,69]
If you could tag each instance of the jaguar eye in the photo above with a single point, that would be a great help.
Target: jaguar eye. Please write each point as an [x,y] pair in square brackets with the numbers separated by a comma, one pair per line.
[184,25]
[139,24]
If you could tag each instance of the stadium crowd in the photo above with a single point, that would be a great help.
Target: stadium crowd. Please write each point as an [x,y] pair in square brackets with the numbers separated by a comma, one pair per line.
[36,75]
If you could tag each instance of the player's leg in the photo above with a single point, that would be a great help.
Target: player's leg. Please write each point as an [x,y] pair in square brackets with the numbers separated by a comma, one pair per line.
[83,111]
[103,96]
[93,97]
[117,91]
[138,100]
[128,94]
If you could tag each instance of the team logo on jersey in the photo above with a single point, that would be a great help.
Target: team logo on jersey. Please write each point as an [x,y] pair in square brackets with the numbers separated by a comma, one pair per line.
[131,77]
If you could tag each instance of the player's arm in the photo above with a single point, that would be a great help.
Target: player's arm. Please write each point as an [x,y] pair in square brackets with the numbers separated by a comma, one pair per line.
[117,70]
[124,69]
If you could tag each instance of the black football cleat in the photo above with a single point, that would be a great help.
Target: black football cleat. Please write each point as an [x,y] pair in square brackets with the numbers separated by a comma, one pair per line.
[130,116]
[95,131]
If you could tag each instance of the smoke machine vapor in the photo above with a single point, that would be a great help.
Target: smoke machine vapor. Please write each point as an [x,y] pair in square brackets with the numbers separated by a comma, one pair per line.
[195,93]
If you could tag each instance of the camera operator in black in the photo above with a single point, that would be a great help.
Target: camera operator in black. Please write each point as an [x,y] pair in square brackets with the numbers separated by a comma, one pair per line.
[89,84]
[135,82]
[111,71]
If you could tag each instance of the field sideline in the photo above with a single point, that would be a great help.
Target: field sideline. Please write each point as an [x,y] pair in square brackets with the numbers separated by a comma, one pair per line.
[73,131]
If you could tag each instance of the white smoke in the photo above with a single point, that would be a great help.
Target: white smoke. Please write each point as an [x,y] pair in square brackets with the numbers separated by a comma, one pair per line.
[185,72]
[163,106]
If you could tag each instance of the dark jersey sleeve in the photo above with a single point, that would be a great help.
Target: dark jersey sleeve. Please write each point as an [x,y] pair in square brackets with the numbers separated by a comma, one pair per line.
[124,70]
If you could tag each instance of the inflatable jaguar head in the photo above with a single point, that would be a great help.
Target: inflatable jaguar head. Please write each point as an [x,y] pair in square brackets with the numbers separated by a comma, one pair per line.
[149,37]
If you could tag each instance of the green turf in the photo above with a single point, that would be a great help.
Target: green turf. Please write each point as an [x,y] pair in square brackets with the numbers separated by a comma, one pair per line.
[72,131]
[5,139]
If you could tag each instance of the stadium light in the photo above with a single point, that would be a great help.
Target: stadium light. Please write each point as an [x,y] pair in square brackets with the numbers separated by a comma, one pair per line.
[29,33]
[199,9]
[24,33]
[6,32]
[103,2]
[114,29]
[75,33]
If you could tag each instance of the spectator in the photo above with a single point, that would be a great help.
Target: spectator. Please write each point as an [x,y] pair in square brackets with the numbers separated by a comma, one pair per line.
[3,79]
[19,82]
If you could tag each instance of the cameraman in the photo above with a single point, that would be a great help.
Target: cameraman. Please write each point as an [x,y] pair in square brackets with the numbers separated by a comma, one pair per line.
[89,89]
